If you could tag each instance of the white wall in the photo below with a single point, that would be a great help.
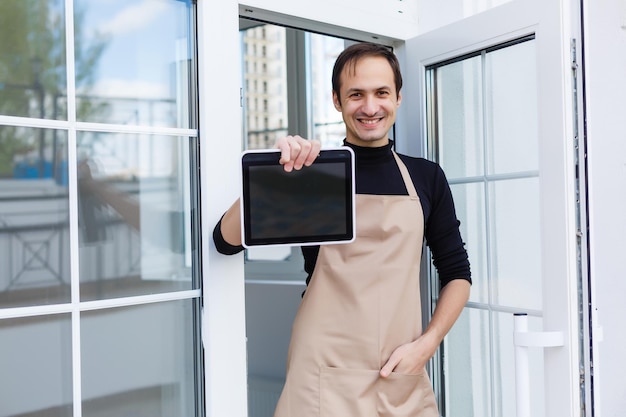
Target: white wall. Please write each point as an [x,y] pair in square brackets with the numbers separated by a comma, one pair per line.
[605,69]
[386,20]
[435,14]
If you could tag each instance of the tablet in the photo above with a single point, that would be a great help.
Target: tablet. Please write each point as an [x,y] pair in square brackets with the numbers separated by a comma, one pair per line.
[311,206]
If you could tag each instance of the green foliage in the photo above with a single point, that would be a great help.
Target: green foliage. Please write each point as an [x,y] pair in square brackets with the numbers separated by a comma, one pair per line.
[33,80]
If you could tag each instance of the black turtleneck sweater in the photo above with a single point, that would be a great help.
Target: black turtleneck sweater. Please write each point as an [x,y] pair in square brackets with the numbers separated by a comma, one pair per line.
[376,172]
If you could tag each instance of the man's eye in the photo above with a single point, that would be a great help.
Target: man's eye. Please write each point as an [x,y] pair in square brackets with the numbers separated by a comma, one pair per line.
[383,93]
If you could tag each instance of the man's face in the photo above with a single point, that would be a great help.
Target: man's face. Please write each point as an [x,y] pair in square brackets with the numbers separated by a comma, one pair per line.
[368,101]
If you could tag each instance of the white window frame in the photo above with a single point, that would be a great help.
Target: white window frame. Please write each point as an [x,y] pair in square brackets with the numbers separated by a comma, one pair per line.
[71,126]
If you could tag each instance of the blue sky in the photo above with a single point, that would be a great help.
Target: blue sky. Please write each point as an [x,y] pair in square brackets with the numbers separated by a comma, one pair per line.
[142,44]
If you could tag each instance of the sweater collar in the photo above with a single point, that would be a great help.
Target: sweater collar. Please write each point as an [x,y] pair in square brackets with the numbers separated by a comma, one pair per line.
[366,155]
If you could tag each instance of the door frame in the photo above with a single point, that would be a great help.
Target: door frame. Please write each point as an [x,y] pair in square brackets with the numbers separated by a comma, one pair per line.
[555,21]
[223,316]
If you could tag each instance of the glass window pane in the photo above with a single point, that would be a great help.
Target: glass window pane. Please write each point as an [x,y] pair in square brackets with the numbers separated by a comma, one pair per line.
[140,360]
[469,200]
[265,85]
[459,118]
[468,366]
[32,59]
[134,214]
[34,225]
[138,62]
[511,101]
[327,125]
[516,244]
[36,364]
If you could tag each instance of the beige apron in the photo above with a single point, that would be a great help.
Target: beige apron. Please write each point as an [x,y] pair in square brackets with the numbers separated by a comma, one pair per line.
[362,302]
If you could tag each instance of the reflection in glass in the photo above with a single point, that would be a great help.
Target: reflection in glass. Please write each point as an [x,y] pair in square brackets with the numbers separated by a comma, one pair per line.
[142,56]
[459,118]
[328,125]
[36,366]
[140,361]
[134,214]
[265,85]
[34,224]
[32,59]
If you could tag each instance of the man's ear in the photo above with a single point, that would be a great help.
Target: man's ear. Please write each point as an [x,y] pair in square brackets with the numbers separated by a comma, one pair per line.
[336,101]
[399,99]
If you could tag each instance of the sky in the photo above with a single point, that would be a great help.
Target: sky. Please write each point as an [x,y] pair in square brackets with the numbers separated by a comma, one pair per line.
[142,44]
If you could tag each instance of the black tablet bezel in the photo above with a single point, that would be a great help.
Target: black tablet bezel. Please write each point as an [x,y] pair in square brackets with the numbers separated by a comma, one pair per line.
[270,157]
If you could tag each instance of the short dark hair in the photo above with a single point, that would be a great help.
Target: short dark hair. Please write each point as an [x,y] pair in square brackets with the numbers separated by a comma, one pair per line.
[352,54]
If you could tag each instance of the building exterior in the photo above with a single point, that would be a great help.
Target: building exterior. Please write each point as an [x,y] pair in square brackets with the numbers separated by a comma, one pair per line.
[121,124]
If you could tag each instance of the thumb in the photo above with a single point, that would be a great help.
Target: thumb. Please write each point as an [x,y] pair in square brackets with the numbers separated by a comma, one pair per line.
[391,364]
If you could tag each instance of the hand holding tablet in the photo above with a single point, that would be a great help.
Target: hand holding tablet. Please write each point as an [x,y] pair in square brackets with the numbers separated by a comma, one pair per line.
[310,206]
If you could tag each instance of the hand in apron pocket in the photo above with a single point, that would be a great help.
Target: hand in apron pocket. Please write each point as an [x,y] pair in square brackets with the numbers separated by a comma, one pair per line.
[364,393]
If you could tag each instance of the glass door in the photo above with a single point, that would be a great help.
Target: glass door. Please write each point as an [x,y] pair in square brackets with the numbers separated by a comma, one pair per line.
[484,134]
[497,115]
[100,294]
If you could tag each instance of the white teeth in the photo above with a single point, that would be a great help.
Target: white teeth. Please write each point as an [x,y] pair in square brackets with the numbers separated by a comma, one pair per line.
[369,122]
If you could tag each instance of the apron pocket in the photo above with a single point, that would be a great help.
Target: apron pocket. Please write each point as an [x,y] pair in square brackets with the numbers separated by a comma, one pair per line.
[363,393]
[402,395]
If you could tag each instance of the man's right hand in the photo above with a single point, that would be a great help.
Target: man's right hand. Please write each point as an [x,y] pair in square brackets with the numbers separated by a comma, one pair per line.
[296,152]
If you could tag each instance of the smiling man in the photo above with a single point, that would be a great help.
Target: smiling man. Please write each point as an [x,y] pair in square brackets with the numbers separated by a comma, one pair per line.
[367,98]
[357,347]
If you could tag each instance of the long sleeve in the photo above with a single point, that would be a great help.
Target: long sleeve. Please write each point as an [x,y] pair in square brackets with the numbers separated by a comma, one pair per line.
[221,245]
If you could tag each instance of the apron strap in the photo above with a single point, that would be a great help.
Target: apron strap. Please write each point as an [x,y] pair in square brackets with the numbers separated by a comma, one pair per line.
[408,183]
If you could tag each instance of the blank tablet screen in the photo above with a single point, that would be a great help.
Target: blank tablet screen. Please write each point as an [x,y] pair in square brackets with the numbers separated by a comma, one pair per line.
[314,205]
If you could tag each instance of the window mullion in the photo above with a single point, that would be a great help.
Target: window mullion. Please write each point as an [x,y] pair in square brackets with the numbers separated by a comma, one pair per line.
[73,210]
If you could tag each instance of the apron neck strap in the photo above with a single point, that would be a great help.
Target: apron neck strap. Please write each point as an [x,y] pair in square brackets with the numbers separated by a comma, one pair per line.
[408,183]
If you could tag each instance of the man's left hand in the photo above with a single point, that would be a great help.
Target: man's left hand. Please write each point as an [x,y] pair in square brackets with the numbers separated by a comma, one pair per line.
[410,358]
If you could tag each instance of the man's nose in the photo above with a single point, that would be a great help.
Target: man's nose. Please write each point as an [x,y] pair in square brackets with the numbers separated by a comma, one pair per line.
[370,105]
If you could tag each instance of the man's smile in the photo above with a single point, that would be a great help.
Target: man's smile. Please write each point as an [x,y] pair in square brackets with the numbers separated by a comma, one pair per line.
[370,121]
